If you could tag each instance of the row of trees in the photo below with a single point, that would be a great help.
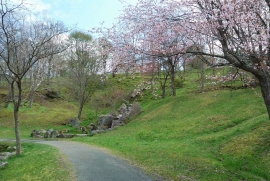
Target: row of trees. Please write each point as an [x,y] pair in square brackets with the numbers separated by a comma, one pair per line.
[23,42]
[171,32]
[34,48]
[159,36]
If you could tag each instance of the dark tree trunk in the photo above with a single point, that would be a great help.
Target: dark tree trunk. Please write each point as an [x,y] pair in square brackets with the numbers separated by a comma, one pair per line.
[265,89]
[31,97]
[202,76]
[163,92]
[163,85]
[17,101]
[49,71]
[80,110]
[173,80]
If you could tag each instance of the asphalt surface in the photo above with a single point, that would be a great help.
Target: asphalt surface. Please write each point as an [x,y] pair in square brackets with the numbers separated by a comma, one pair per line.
[93,164]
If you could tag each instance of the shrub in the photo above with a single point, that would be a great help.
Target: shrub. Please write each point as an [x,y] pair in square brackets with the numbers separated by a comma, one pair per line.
[179,83]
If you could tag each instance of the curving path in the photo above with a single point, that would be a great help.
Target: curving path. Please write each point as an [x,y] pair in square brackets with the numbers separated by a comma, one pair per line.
[92,164]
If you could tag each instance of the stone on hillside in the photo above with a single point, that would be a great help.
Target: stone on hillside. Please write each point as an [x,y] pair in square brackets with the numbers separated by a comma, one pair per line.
[91,127]
[117,123]
[83,129]
[122,109]
[3,164]
[3,158]
[6,155]
[61,135]
[54,134]
[47,134]
[75,122]
[104,122]
[36,134]
[11,148]
[135,110]
[114,120]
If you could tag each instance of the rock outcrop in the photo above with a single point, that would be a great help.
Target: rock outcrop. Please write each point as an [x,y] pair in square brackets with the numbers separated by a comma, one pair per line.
[104,123]
[113,120]
[10,151]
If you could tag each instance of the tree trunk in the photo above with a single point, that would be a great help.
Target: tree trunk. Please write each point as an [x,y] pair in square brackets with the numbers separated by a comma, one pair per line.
[202,76]
[265,89]
[80,110]
[17,129]
[163,92]
[172,80]
[49,71]
[16,113]
[163,86]
[31,97]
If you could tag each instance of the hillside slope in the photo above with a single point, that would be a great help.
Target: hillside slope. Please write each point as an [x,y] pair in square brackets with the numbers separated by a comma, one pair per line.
[216,135]
[206,136]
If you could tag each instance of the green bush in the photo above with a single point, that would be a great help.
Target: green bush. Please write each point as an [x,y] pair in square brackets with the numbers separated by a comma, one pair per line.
[179,83]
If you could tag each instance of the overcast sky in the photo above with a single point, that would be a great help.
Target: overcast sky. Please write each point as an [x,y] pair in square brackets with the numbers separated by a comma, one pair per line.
[87,14]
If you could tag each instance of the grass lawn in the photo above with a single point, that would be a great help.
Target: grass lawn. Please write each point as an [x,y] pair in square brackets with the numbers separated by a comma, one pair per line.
[38,162]
[215,135]
[207,136]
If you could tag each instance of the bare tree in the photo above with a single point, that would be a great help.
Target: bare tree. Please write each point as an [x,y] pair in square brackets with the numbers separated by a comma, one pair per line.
[82,68]
[23,42]
[37,76]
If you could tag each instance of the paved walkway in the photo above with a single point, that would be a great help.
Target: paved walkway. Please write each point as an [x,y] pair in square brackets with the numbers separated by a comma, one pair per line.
[93,164]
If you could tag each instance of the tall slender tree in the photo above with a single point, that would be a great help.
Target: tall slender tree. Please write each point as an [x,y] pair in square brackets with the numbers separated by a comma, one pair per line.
[22,44]
[82,68]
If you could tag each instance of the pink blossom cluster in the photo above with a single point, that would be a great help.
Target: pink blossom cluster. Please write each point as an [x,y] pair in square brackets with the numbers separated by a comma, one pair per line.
[153,30]
[223,79]
[143,87]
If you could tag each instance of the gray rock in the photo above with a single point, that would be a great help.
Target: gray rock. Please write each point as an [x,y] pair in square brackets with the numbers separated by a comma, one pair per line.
[11,148]
[3,158]
[75,122]
[118,116]
[83,129]
[91,127]
[36,134]
[122,109]
[54,134]
[3,164]
[93,132]
[104,122]
[117,123]
[6,154]
[47,134]
[61,135]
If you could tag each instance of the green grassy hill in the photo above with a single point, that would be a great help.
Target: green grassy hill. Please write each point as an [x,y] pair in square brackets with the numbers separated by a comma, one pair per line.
[208,136]
[216,135]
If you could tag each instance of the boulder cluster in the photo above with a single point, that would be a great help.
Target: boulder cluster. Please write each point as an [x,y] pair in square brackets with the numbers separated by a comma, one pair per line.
[50,134]
[113,120]
[104,123]
[10,151]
